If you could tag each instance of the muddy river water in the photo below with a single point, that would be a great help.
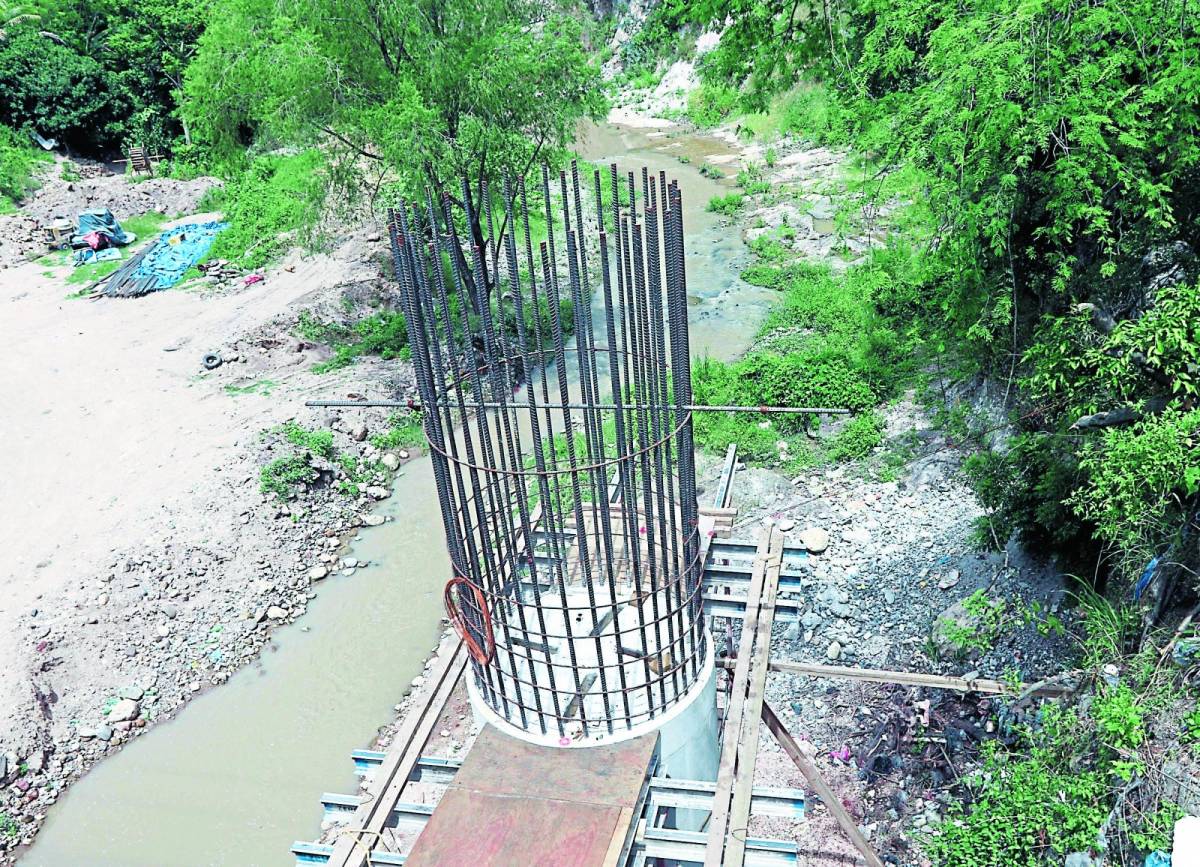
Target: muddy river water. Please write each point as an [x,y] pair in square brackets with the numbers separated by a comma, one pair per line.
[236,777]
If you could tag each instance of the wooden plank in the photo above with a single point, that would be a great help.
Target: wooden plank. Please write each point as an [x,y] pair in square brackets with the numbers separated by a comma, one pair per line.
[725,484]
[615,856]
[353,848]
[739,812]
[718,825]
[826,794]
[912,678]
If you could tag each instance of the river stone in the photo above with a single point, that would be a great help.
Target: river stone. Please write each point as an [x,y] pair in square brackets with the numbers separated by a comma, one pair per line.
[948,580]
[103,733]
[316,573]
[373,520]
[954,620]
[124,710]
[391,461]
[815,540]
[276,613]
[376,492]
[786,525]
[834,651]
[133,692]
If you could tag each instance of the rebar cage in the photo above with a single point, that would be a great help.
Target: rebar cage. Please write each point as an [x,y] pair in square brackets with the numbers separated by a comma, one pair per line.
[564,467]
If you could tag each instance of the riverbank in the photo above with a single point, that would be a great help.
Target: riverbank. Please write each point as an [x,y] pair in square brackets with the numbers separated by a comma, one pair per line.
[146,564]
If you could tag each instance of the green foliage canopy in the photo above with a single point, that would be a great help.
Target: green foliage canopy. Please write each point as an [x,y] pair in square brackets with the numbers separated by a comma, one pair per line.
[435,91]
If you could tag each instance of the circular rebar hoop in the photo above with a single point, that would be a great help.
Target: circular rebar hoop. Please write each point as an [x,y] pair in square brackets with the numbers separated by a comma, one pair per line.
[564,466]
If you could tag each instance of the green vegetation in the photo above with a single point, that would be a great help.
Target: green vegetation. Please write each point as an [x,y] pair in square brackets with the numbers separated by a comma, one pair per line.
[283,475]
[1049,793]
[988,618]
[385,333]
[1052,148]
[711,104]
[1016,801]
[824,345]
[18,161]
[268,205]
[402,94]
[405,430]
[261,386]
[97,76]
[9,827]
[728,204]
[382,334]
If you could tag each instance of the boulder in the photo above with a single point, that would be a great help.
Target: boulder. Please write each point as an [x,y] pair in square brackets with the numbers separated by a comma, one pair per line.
[815,540]
[124,710]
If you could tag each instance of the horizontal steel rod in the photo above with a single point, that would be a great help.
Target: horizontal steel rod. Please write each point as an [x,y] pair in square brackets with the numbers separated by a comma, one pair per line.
[691,407]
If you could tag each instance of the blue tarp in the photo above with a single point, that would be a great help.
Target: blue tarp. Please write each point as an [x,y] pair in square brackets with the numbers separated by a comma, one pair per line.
[174,252]
[102,220]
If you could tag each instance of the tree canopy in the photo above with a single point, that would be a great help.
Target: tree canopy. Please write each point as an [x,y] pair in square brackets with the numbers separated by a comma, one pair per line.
[435,90]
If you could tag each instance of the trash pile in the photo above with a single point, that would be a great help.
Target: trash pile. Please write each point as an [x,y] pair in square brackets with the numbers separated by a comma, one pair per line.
[221,271]
[163,263]
[96,236]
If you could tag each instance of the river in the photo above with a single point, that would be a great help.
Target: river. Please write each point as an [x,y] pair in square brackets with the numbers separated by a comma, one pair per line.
[236,777]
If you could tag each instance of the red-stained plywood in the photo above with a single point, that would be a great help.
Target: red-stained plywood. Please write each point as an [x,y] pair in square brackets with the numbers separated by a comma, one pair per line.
[513,804]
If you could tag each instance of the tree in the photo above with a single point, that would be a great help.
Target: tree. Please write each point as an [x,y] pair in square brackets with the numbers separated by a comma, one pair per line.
[51,89]
[438,90]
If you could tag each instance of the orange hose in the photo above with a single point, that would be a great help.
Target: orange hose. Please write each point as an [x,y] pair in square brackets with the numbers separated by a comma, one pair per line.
[478,653]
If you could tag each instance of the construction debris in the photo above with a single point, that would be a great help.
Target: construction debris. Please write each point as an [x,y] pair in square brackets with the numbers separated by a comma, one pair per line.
[163,263]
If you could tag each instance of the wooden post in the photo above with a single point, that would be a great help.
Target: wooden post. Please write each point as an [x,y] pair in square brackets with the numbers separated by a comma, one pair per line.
[832,801]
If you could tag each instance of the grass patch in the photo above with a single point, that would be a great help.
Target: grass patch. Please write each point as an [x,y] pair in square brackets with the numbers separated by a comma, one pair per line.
[710,104]
[284,474]
[274,200]
[261,386]
[405,430]
[728,204]
[823,345]
[383,334]
[18,163]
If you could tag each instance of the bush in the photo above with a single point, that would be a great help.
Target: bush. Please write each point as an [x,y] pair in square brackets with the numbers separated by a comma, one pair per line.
[404,431]
[1023,809]
[728,204]
[270,203]
[812,113]
[858,438]
[17,163]
[283,474]
[317,442]
[710,104]
[52,89]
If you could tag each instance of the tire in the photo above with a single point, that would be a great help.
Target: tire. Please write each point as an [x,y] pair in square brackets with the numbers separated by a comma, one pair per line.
[212,361]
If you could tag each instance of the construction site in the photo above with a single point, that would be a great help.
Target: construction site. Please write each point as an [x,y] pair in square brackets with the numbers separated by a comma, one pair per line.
[616,435]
